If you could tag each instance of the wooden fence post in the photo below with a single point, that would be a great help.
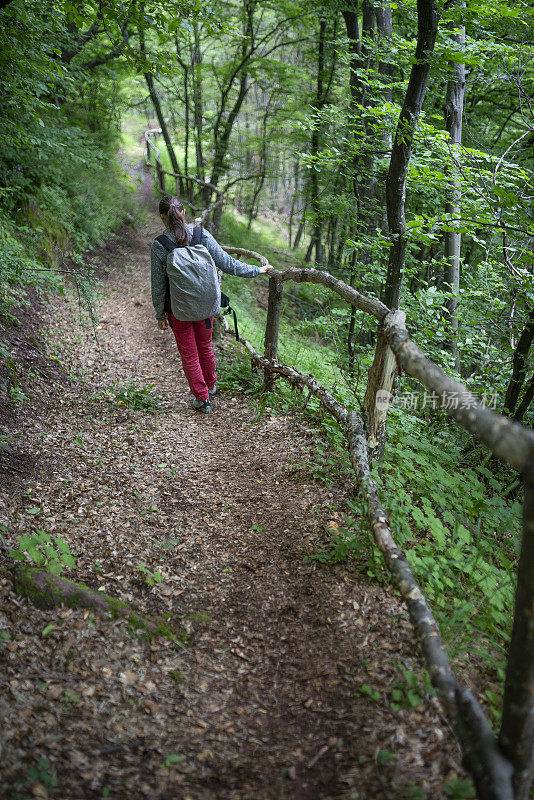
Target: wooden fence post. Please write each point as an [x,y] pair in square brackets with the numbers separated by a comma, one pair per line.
[147,142]
[160,176]
[380,379]
[517,728]
[271,329]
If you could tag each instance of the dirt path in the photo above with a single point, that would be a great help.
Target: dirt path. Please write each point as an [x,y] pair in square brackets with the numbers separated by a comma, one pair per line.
[265,698]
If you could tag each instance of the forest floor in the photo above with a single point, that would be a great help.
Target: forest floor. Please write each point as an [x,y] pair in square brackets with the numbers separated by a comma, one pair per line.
[282,685]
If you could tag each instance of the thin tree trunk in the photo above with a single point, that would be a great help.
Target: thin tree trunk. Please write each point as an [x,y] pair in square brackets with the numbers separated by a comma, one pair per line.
[453,240]
[352,323]
[196,64]
[300,230]
[314,149]
[271,329]
[260,181]
[185,71]
[363,176]
[383,370]
[384,24]
[519,366]
[321,97]
[427,20]
[517,729]
[293,199]
[222,131]
[355,64]
[524,405]
[157,107]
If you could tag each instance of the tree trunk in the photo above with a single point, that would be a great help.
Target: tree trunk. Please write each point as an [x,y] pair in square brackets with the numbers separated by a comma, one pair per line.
[384,25]
[364,184]
[185,70]
[352,323]
[524,405]
[321,97]
[300,230]
[196,64]
[453,240]
[519,366]
[222,130]
[517,728]
[157,107]
[271,329]
[293,200]
[383,371]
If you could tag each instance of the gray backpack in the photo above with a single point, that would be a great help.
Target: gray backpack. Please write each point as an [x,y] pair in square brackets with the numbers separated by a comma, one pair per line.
[192,288]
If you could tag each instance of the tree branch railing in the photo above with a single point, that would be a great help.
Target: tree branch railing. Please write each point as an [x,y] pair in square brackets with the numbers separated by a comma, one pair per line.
[160,174]
[501,766]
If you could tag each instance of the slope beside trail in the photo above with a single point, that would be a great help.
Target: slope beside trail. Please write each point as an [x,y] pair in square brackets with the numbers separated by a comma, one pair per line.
[265,698]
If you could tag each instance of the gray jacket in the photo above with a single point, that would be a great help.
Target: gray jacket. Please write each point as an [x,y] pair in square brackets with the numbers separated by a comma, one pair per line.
[223,261]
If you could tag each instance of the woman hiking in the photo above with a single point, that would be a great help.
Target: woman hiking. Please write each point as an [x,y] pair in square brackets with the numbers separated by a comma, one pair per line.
[188,257]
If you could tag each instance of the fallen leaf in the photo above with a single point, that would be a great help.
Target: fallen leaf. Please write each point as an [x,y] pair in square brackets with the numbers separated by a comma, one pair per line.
[128,677]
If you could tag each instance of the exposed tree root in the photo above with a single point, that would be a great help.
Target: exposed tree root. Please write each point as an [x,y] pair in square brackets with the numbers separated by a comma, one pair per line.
[45,590]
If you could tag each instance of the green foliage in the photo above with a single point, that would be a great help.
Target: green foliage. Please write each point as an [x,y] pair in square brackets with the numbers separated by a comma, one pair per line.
[52,553]
[368,691]
[138,398]
[42,774]
[459,531]
[62,188]
[459,789]
[172,759]
[383,757]
[409,690]
[148,576]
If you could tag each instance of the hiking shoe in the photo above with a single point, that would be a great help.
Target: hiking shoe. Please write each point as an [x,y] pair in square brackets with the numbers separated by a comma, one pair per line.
[202,405]
[213,391]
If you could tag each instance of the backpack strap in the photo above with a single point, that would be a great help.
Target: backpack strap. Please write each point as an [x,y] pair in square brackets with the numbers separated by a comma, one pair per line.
[196,238]
[226,308]
[169,246]
[167,243]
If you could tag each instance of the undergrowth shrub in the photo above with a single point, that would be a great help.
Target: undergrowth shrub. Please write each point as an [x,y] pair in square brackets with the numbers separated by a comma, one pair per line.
[63,197]
[137,398]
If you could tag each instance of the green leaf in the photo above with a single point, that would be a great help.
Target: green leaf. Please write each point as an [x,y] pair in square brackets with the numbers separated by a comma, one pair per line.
[47,630]
[173,758]
[36,556]
[384,757]
[62,545]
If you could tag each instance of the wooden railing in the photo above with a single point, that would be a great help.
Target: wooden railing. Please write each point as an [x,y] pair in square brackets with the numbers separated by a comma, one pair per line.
[501,766]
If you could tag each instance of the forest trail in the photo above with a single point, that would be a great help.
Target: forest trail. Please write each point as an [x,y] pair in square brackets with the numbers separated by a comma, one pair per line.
[264,700]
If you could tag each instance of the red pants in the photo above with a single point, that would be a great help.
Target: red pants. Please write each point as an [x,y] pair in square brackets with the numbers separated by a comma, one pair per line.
[198,362]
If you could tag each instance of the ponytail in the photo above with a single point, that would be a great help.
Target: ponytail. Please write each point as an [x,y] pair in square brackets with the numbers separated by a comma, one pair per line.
[171,207]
